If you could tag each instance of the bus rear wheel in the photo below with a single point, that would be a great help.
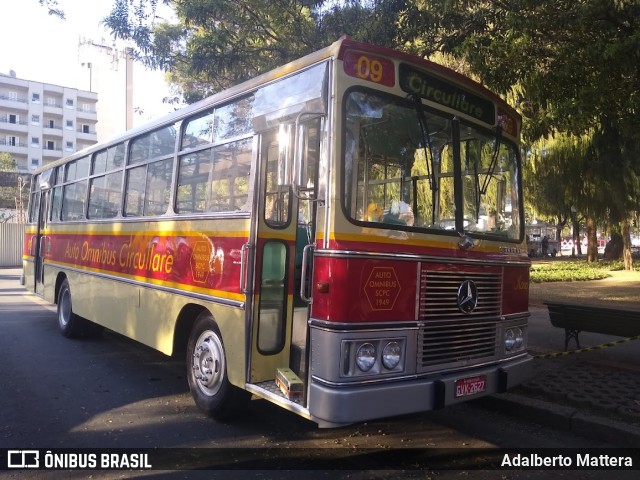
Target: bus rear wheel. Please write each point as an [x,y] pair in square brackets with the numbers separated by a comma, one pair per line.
[207,372]
[70,324]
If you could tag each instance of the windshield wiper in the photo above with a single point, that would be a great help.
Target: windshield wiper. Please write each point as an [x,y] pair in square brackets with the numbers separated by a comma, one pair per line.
[494,160]
[482,190]
[428,154]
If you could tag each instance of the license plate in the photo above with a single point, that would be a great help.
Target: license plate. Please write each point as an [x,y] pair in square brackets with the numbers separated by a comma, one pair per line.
[471,386]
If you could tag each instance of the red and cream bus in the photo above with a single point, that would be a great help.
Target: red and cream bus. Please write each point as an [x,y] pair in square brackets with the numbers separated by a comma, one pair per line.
[350,224]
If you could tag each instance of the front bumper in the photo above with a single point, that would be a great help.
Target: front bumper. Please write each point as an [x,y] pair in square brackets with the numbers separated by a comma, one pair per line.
[341,405]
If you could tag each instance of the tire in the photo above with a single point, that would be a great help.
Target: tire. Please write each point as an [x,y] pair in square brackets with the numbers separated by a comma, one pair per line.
[70,324]
[207,372]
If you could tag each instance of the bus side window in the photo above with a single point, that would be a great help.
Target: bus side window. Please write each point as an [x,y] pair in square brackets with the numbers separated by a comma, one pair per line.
[104,195]
[73,200]
[215,179]
[134,191]
[158,188]
[276,146]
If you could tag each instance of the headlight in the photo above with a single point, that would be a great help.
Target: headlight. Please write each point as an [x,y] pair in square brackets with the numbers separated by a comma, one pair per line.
[509,340]
[513,339]
[391,355]
[519,340]
[372,357]
[366,357]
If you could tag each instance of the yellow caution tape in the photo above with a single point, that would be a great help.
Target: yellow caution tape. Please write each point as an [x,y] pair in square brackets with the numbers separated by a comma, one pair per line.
[602,346]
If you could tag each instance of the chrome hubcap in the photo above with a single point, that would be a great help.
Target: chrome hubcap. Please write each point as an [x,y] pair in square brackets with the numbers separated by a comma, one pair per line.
[64,314]
[207,363]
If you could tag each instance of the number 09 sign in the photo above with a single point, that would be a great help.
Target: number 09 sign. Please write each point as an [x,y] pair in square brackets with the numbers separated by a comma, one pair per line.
[369,67]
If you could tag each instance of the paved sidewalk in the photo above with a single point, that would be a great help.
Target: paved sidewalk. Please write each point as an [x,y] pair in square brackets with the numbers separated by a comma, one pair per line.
[596,392]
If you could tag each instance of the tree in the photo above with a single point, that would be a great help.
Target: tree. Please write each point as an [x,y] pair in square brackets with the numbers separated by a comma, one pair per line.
[573,65]
[7,163]
[214,44]
[52,6]
[9,190]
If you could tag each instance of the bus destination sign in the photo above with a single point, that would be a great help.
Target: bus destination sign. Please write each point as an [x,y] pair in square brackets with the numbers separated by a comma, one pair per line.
[435,90]
[369,67]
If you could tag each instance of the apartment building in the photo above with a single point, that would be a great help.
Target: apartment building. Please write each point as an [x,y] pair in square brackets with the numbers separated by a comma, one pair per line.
[41,123]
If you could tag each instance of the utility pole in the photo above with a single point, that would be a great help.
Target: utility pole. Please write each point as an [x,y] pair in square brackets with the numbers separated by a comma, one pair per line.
[19,202]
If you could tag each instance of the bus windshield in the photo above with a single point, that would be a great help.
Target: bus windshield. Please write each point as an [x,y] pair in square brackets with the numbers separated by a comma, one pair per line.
[399,170]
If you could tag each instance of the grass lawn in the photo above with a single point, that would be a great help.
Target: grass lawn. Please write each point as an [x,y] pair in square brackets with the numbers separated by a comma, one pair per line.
[560,270]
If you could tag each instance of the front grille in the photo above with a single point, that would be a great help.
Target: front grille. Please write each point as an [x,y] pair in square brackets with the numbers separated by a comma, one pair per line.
[444,344]
[448,337]
[439,293]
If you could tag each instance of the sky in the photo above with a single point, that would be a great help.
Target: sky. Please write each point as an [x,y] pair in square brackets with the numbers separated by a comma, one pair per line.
[44,48]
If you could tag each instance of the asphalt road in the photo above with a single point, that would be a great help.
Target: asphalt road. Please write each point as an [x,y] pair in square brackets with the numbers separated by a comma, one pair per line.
[110,392]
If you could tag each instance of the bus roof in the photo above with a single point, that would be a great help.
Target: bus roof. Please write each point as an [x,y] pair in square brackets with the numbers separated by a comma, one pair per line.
[335,50]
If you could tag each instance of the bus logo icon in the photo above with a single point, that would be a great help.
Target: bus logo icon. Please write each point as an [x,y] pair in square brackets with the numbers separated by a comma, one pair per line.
[23,459]
[467,296]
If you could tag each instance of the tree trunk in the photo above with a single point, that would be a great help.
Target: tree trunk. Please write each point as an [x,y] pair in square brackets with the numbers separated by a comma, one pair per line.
[626,242]
[577,242]
[559,227]
[592,241]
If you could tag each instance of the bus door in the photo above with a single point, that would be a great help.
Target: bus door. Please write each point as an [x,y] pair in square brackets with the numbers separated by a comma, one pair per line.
[39,245]
[285,236]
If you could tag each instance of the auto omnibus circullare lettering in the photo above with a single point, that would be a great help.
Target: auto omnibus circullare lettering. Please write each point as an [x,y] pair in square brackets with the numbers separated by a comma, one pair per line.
[145,260]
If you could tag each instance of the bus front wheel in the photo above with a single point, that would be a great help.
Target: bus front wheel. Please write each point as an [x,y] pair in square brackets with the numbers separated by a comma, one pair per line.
[207,372]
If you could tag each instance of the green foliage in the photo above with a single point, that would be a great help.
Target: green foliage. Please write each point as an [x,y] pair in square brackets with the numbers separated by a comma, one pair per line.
[214,44]
[9,186]
[574,270]
[565,54]
[556,177]
[615,265]
[7,163]
[52,7]
[566,270]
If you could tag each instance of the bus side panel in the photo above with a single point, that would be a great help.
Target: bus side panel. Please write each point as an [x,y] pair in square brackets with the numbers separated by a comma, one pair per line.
[149,315]
[28,268]
[110,303]
[157,315]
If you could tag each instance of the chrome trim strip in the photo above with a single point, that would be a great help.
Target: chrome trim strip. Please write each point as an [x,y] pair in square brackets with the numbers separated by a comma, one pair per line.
[371,381]
[418,258]
[208,298]
[346,327]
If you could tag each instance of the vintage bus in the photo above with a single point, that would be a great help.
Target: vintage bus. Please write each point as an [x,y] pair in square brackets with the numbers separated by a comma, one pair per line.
[342,236]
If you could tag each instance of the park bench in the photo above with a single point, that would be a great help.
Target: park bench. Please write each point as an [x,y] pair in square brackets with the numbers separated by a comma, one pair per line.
[584,318]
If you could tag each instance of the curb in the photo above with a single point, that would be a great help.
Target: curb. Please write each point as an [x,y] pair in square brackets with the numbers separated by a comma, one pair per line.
[566,418]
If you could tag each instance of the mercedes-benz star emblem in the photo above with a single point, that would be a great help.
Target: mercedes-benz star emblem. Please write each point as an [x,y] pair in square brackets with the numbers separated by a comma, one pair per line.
[467,296]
